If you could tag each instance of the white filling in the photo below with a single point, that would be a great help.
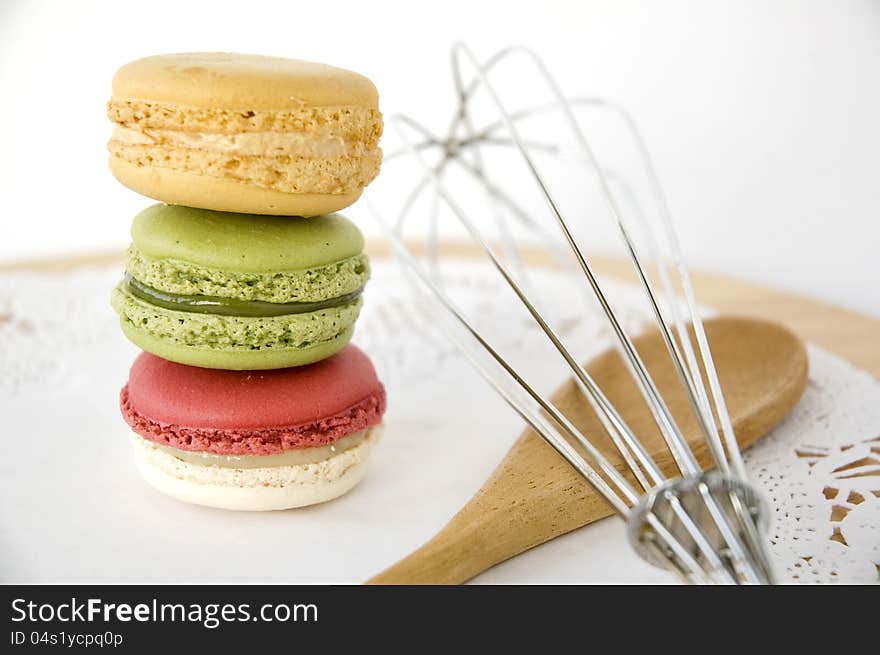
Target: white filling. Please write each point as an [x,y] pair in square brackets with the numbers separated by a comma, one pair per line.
[288,458]
[297,144]
[297,475]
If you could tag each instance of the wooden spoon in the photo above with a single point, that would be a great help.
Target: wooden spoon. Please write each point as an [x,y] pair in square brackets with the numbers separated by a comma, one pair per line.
[534,495]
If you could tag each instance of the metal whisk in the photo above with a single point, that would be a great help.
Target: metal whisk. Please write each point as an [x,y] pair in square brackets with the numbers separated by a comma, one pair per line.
[706,527]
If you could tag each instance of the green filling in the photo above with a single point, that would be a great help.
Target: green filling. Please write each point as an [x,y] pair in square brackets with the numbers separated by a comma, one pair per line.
[228,306]
[238,333]
[306,285]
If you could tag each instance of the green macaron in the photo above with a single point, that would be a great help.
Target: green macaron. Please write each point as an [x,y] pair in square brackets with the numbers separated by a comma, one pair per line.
[240,291]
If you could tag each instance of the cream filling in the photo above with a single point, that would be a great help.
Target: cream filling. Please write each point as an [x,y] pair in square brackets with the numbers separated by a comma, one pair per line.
[296,144]
[298,457]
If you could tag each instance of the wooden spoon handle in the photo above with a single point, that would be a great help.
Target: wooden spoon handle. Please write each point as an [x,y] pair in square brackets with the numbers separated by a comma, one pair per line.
[483,534]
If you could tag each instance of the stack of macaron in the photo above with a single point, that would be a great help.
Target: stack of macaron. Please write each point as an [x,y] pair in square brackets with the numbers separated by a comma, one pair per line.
[243,285]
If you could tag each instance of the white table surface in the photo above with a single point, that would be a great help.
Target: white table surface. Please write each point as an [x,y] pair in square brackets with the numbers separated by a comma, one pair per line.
[73,508]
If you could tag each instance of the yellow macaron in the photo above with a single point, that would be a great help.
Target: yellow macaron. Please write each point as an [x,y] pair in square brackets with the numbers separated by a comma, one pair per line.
[244,133]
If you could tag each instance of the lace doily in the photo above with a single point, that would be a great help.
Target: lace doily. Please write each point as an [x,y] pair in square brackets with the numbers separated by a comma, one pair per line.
[820,468]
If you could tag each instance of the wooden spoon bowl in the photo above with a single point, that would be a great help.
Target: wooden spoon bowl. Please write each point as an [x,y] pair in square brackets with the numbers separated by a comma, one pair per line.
[534,495]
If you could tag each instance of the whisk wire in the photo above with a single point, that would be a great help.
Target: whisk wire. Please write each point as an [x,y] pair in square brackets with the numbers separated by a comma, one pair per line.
[702,526]
[733,452]
[681,452]
[603,464]
[624,490]
[621,499]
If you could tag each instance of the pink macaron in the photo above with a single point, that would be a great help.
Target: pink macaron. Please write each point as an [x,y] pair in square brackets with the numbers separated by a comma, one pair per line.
[254,440]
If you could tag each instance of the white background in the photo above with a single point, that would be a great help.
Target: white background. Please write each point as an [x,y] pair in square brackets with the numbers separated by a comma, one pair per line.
[762,116]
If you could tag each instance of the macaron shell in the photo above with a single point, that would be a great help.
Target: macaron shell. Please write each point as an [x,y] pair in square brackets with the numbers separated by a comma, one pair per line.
[241,81]
[170,393]
[236,360]
[245,243]
[224,194]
